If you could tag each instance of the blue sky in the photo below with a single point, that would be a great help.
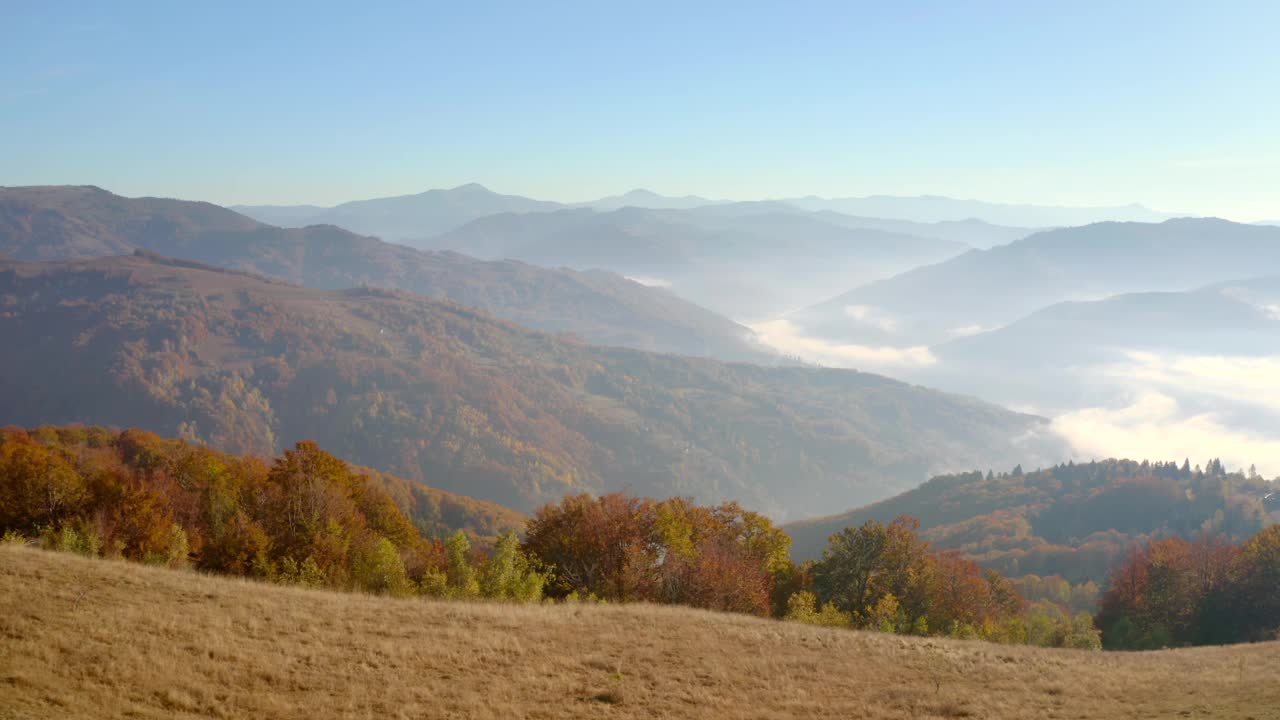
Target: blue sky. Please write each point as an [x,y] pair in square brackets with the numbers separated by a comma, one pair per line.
[1172,104]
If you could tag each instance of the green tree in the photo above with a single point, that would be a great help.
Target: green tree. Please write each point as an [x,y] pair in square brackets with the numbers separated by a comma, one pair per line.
[378,568]
[802,607]
[508,574]
[462,578]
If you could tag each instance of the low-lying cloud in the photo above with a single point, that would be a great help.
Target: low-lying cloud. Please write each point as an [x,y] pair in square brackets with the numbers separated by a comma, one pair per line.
[870,316]
[649,281]
[968,330]
[1156,427]
[1196,407]
[785,337]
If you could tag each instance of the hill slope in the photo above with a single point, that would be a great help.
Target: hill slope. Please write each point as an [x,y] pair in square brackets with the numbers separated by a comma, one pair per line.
[206,646]
[1072,520]
[994,287]
[54,223]
[437,392]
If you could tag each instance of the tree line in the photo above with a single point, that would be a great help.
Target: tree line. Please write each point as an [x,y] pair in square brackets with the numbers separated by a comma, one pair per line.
[1209,590]
[308,518]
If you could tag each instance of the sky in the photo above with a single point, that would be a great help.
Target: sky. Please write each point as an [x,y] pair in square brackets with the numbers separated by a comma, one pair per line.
[1171,104]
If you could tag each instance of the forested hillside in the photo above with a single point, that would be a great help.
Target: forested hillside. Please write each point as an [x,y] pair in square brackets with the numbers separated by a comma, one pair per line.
[1074,520]
[131,494]
[52,223]
[1209,591]
[437,392]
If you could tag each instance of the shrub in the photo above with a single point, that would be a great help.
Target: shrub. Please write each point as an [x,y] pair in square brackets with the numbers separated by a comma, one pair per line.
[802,608]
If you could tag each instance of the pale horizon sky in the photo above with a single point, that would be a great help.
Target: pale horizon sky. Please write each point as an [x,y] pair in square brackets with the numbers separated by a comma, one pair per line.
[1171,105]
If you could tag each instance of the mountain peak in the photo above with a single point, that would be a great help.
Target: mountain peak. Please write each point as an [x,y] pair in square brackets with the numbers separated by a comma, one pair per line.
[470,188]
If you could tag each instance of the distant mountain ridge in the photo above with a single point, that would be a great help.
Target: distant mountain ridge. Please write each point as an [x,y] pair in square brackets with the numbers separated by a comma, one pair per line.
[73,222]
[433,212]
[441,393]
[744,260]
[983,289]
[1075,355]
[404,216]
[641,197]
[1236,318]
[973,232]
[935,208]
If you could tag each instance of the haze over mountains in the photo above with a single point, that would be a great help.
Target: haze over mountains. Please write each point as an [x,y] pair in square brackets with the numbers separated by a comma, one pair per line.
[744,260]
[985,289]
[445,394]
[1138,335]
[75,222]
[933,208]
[1119,331]
[405,216]
[436,211]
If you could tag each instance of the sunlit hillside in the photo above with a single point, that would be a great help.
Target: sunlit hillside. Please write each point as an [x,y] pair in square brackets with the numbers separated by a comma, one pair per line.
[84,638]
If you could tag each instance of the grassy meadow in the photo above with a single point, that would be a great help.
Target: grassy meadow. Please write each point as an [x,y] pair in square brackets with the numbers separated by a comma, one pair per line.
[84,638]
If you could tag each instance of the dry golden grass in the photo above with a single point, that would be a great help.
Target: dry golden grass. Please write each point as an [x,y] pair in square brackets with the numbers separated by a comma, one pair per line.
[84,638]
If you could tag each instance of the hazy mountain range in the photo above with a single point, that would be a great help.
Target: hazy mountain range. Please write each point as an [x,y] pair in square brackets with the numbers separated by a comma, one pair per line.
[1137,333]
[1162,369]
[983,289]
[445,394]
[1235,318]
[648,199]
[74,222]
[745,260]
[934,208]
[436,211]
[405,216]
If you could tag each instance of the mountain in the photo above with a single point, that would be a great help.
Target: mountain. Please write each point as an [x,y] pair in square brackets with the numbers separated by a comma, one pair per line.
[1186,366]
[983,289]
[404,216]
[971,231]
[1234,318]
[647,199]
[56,222]
[70,222]
[445,394]
[934,208]
[1076,520]
[744,260]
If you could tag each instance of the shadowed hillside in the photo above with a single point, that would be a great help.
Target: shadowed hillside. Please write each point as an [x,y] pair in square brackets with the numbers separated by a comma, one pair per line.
[437,392]
[206,646]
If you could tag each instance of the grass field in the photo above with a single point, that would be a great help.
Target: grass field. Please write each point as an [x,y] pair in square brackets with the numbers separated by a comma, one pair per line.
[84,638]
